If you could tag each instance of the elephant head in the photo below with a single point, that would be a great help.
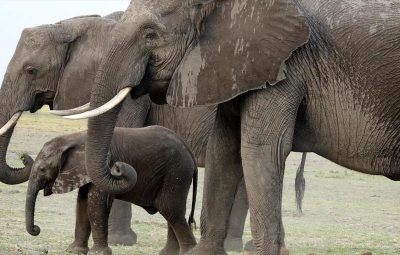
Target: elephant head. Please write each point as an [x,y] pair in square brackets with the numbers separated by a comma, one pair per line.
[188,52]
[58,168]
[51,65]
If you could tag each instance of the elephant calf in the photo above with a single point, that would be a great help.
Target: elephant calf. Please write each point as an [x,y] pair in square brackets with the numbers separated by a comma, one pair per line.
[164,171]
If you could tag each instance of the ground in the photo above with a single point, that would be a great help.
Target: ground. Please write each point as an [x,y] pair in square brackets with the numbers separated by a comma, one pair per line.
[344,212]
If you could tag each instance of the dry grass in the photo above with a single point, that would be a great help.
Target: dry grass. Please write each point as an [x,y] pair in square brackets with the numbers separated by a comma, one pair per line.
[345,212]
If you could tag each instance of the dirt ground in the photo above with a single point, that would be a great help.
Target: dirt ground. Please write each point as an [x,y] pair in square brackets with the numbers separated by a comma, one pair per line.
[344,212]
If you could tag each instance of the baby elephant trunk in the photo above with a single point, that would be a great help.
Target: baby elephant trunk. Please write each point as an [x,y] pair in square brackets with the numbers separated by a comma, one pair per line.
[30,203]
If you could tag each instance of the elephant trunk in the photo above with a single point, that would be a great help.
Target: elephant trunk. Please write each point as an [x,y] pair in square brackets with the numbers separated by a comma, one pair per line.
[100,132]
[9,175]
[11,110]
[30,203]
[112,77]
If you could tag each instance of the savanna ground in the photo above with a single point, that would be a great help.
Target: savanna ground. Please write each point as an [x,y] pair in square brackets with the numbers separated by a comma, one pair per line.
[344,212]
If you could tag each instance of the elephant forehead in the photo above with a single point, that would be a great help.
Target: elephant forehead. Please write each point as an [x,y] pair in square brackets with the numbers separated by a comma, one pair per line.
[140,9]
[34,38]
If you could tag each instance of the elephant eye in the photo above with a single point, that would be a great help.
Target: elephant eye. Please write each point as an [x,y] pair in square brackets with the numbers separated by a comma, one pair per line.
[30,70]
[151,34]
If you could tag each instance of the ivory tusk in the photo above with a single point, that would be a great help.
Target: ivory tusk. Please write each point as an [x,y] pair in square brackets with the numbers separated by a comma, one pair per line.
[122,94]
[11,123]
[73,111]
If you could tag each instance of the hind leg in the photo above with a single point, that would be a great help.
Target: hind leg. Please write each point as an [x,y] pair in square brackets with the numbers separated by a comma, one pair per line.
[171,203]
[172,245]
[234,238]
[184,235]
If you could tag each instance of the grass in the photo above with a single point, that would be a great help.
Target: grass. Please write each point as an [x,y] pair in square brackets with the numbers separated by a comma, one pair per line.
[344,212]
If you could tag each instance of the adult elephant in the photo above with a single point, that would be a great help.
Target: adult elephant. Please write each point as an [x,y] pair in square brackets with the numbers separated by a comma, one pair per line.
[340,97]
[54,65]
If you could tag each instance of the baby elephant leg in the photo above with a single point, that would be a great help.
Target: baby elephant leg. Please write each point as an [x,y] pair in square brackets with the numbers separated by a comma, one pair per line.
[172,245]
[184,235]
[99,206]
[171,203]
[82,224]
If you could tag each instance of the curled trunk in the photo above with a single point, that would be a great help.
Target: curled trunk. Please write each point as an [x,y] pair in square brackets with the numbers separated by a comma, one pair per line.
[113,70]
[30,203]
[9,175]
[100,132]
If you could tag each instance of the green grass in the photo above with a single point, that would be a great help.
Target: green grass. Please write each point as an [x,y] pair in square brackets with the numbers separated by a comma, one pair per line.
[344,212]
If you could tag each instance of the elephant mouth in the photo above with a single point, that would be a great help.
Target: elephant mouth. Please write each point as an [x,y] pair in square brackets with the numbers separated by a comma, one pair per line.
[48,189]
[43,98]
[156,89]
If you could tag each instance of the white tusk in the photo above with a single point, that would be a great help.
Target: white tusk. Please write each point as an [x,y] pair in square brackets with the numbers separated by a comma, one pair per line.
[122,94]
[77,110]
[11,123]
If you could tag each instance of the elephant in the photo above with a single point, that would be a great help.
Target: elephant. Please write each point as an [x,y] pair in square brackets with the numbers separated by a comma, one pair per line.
[68,64]
[163,168]
[286,75]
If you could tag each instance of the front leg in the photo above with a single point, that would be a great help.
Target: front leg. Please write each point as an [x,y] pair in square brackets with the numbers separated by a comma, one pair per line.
[82,224]
[99,206]
[222,176]
[268,120]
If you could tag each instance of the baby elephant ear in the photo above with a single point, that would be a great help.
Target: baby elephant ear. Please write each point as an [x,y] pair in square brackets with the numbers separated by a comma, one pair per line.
[69,181]
[72,174]
[243,47]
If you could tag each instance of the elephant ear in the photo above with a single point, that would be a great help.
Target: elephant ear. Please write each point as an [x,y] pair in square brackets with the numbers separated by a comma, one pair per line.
[243,47]
[72,171]
[84,56]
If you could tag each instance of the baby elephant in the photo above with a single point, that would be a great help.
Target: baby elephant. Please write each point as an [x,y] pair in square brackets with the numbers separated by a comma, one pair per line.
[164,167]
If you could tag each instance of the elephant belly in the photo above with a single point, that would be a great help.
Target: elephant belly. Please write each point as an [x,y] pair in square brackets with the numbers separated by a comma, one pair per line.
[351,135]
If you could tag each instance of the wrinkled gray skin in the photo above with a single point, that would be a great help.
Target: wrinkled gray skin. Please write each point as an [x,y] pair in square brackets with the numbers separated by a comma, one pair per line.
[337,95]
[68,54]
[163,171]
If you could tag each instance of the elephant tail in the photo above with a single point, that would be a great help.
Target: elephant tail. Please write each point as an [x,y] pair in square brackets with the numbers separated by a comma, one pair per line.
[300,184]
[192,221]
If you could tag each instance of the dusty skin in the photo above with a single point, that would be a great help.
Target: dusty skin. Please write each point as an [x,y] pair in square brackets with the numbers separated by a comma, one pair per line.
[345,212]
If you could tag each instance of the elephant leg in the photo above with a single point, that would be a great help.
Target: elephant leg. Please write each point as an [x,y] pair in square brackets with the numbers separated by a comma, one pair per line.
[172,245]
[99,206]
[222,176]
[234,238]
[267,127]
[184,235]
[119,224]
[249,246]
[82,224]
[171,203]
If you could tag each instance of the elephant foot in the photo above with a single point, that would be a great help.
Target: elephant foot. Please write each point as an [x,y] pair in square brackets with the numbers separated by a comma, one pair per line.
[77,249]
[100,251]
[233,244]
[124,238]
[250,249]
[205,249]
